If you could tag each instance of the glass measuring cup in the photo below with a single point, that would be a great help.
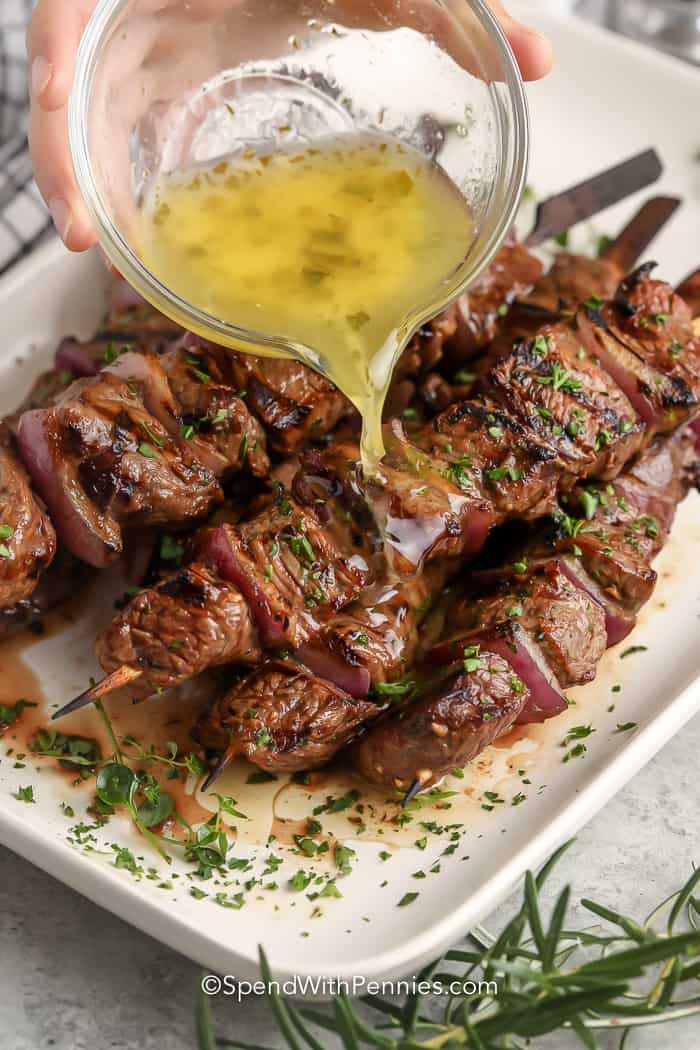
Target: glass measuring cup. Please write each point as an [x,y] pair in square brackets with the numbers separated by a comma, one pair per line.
[167,86]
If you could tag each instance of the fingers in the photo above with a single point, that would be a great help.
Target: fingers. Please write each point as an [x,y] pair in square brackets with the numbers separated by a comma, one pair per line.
[53,170]
[52,44]
[532,51]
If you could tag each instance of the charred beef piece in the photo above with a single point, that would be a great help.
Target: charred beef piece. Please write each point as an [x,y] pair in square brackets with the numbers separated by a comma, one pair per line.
[570,280]
[550,628]
[281,572]
[642,340]
[121,447]
[564,620]
[212,415]
[446,728]
[189,622]
[284,719]
[292,402]
[375,639]
[424,352]
[99,458]
[553,386]
[27,537]
[481,311]
[294,563]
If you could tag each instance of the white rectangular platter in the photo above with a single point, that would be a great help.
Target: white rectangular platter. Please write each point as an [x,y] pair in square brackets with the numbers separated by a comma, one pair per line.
[606,100]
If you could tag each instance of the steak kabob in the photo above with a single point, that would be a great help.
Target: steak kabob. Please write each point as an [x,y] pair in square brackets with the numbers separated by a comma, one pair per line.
[536,627]
[520,635]
[548,415]
[515,288]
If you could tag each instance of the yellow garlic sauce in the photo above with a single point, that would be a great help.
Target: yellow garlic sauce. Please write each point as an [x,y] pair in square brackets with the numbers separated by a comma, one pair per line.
[333,247]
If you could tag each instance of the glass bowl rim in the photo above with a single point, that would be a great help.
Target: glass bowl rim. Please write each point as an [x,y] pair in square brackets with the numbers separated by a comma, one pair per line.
[128,263]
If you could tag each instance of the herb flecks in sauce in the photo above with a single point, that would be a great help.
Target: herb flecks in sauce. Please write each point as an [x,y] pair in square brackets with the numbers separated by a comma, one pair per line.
[333,248]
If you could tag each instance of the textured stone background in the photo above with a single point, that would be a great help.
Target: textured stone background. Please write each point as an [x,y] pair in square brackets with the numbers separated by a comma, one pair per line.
[73,977]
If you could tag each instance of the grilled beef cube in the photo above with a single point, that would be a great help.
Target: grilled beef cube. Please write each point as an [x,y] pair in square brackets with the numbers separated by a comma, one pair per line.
[442,491]
[651,488]
[189,622]
[424,352]
[435,394]
[644,341]
[212,416]
[609,548]
[556,390]
[292,563]
[374,640]
[27,537]
[99,459]
[565,622]
[570,280]
[481,310]
[283,719]
[293,402]
[446,728]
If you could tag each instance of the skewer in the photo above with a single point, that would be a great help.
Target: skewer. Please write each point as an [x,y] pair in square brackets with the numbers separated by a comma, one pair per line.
[559,213]
[412,792]
[221,766]
[116,680]
[636,237]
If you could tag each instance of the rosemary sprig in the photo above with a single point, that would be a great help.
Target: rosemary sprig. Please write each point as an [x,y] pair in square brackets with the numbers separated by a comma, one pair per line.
[616,976]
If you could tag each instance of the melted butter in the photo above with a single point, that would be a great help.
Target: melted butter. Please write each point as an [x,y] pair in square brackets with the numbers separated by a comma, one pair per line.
[333,249]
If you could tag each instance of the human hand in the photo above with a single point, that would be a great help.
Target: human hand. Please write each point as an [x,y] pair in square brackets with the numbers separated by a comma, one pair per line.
[52,43]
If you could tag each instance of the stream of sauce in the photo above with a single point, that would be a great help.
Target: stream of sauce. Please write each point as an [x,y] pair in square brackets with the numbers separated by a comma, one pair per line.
[332,249]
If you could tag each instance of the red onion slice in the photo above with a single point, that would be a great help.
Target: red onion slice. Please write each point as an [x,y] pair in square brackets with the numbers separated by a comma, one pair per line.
[617,624]
[215,548]
[72,513]
[353,680]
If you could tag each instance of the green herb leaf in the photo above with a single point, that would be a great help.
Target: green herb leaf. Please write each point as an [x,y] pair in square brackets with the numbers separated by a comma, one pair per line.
[115,783]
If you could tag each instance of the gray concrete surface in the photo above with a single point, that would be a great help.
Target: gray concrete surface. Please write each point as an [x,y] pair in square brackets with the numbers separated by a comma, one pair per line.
[73,977]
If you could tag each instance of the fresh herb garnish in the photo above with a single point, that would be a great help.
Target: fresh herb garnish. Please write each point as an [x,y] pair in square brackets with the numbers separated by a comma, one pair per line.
[632,650]
[539,977]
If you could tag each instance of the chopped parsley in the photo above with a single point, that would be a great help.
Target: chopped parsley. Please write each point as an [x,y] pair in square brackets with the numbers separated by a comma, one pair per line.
[172,549]
[632,650]
[393,690]
[148,451]
[577,733]
[472,661]
[408,898]
[561,379]
[155,440]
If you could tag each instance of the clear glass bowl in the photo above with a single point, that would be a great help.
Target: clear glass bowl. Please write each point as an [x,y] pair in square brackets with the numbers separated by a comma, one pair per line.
[162,87]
